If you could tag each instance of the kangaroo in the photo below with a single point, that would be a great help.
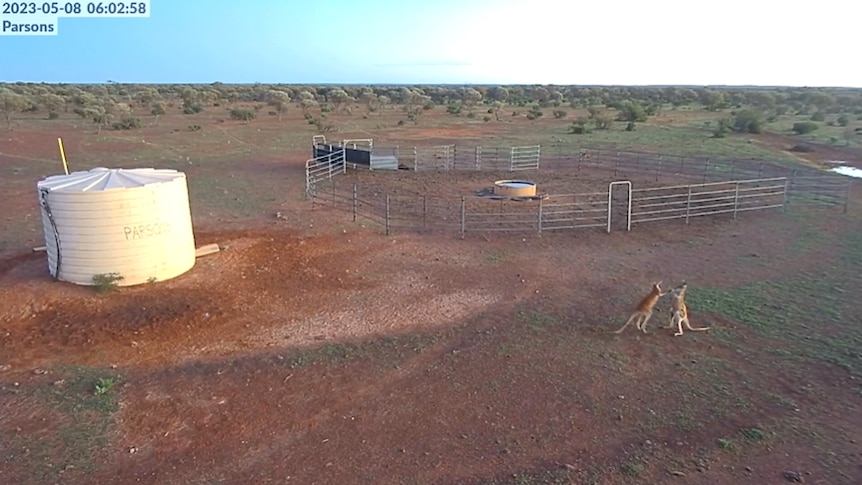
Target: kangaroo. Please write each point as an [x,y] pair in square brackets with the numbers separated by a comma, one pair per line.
[679,311]
[645,308]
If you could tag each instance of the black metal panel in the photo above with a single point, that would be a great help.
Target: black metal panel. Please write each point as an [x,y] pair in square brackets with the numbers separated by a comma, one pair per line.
[351,155]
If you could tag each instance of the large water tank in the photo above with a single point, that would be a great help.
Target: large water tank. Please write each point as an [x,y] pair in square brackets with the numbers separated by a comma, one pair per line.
[131,222]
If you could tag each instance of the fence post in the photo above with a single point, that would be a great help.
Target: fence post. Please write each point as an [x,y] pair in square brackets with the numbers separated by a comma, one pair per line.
[847,197]
[387,214]
[415,160]
[688,205]
[540,217]
[760,171]
[512,159]
[463,217]
[736,201]
[789,187]
[354,202]
[478,158]
[786,200]
[344,162]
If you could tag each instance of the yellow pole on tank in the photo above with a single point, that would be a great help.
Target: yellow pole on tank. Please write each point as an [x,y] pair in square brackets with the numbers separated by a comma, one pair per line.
[63,155]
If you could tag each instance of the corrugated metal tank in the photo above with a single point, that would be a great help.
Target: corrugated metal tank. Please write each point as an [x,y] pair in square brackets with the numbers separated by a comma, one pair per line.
[134,222]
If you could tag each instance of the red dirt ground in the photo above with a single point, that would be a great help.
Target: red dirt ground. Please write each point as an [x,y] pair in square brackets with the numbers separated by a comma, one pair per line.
[316,350]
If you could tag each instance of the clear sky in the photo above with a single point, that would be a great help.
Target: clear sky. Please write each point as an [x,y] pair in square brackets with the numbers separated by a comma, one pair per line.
[621,42]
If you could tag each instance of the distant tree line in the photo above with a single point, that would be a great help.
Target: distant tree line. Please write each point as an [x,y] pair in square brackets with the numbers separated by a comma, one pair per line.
[112,104]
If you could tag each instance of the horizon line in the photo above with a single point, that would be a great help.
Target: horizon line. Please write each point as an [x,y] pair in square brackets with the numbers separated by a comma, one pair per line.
[251,83]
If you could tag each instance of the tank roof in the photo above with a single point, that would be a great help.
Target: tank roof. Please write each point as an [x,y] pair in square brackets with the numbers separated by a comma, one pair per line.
[100,178]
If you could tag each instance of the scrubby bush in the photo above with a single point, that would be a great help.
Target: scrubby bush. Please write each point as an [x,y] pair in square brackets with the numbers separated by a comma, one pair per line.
[805,127]
[127,123]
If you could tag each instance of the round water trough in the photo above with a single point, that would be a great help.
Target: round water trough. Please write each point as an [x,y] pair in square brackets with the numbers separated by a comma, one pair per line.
[132,222]
[515,188]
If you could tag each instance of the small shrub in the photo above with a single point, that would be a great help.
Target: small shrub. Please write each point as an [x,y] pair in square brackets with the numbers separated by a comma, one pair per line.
[194,128]
[721,129]
[106,282]
[241,114]
[579,127]
[805,127]
[192,108]
[103,386]
[560,114]
[747,121]
[753,434]
[818,116]
[127,123]
[632,469]
[843,120]
[535,111]
[53,115]
[486,119]
[630,126]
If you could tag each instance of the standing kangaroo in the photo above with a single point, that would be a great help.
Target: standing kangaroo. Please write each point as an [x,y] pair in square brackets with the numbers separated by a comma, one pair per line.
[679,311]
[644,309]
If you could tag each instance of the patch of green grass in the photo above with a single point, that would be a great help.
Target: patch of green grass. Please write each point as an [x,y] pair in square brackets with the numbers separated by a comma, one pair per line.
[632,469]
[754,434]
[808,316]
[495,256]
[85,399]
[679,141]
[536,320]
[387,351]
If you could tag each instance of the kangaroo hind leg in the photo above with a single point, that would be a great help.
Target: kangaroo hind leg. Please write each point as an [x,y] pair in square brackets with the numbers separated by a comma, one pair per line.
[629,321]
[644,322]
